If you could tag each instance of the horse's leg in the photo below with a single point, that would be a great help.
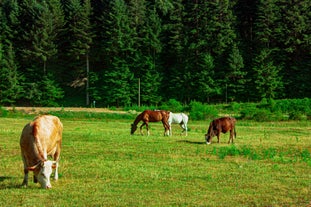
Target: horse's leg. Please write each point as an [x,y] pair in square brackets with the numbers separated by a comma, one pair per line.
[166,128]
[218,136]
[170,128]
[147,127]
[185,128]
[141,131]
[182,127]
[231,136]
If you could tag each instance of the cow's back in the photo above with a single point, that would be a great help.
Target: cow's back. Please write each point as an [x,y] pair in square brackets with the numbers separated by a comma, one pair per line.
[48,130]
[40,138]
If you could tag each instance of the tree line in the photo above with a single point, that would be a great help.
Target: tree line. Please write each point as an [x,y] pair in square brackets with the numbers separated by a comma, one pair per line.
[123,51]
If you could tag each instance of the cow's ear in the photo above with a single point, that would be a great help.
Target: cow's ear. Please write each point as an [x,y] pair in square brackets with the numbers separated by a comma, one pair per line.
[31,168]
[54,165]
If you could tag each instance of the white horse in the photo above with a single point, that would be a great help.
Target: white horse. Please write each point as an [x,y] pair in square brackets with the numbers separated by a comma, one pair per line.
[181,119]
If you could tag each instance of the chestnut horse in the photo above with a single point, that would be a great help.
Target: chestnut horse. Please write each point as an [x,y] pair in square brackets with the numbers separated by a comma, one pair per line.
[223,125]
[151,116]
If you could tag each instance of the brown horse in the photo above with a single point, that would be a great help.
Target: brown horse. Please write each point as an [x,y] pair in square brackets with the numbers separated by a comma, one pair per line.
[223,125]
[152,116]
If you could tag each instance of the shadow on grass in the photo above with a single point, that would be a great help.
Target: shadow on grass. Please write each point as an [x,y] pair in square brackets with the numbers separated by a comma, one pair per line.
[191,142]
[6,182]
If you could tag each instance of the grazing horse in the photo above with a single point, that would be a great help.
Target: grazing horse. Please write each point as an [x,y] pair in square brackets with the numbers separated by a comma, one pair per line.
[223,125]
[181,119]
[151,116]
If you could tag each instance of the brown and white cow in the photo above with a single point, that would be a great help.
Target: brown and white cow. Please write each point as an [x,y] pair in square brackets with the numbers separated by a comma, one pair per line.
[40,138]
[223,125]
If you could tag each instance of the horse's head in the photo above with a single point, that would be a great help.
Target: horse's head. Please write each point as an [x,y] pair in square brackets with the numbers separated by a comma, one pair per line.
[208,138]
[210,134]
[133,128]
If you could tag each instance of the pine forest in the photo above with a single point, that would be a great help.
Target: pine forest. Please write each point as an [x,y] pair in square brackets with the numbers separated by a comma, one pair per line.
[123,52]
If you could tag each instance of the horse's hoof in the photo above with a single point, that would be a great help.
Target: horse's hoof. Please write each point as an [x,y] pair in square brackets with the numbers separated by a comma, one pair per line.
[208,143]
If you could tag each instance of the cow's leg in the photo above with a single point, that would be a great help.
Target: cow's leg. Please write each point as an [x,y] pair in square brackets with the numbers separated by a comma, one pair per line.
[56,171]
[25,181]
[56,158]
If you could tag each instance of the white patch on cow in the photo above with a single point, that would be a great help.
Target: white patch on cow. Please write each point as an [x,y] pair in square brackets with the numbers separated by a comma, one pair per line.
[45,174]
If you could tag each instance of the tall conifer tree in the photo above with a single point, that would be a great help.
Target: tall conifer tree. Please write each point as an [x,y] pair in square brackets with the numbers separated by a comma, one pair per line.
[10,79]
[117,76]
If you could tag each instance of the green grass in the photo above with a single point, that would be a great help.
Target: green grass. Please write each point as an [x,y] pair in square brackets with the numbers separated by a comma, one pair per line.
[103,165]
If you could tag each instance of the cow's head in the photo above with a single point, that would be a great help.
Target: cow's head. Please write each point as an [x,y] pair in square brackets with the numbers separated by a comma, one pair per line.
[42,172]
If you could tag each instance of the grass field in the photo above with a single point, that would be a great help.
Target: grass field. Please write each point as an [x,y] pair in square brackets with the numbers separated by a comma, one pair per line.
[102,165]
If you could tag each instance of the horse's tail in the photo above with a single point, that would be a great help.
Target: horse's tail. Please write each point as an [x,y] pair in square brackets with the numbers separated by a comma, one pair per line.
[234,122]
[170,118]
[234,132]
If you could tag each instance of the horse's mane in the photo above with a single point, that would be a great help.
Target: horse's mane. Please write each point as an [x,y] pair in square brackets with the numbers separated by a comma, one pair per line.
[138,118]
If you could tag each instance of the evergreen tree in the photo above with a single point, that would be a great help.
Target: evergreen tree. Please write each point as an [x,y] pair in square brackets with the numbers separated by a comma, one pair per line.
[146,28]
[267,76]
[117,77]
[295,40]
[10,79]
[268,81]
[210,32]
[79,39]
[41,34]
[236,76]
[151,76]
[173,40]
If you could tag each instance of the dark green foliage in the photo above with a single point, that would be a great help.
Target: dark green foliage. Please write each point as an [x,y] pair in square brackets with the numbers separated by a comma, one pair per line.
[10,77]
[206,51]
[44,92]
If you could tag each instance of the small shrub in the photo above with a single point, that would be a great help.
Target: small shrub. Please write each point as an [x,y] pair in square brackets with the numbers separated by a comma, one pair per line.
[296,115]
[3,112]
[172,105]
[199,111]
[235,107]
[248,112]
[262,115]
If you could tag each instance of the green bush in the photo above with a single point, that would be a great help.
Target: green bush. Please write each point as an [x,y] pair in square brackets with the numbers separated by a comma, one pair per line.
[3,112]
[248,112]
[296,115]
[173,106]
[235,107]
[199,111]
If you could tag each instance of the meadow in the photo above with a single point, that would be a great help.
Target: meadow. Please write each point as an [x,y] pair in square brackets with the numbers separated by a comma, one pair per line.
[103,165]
